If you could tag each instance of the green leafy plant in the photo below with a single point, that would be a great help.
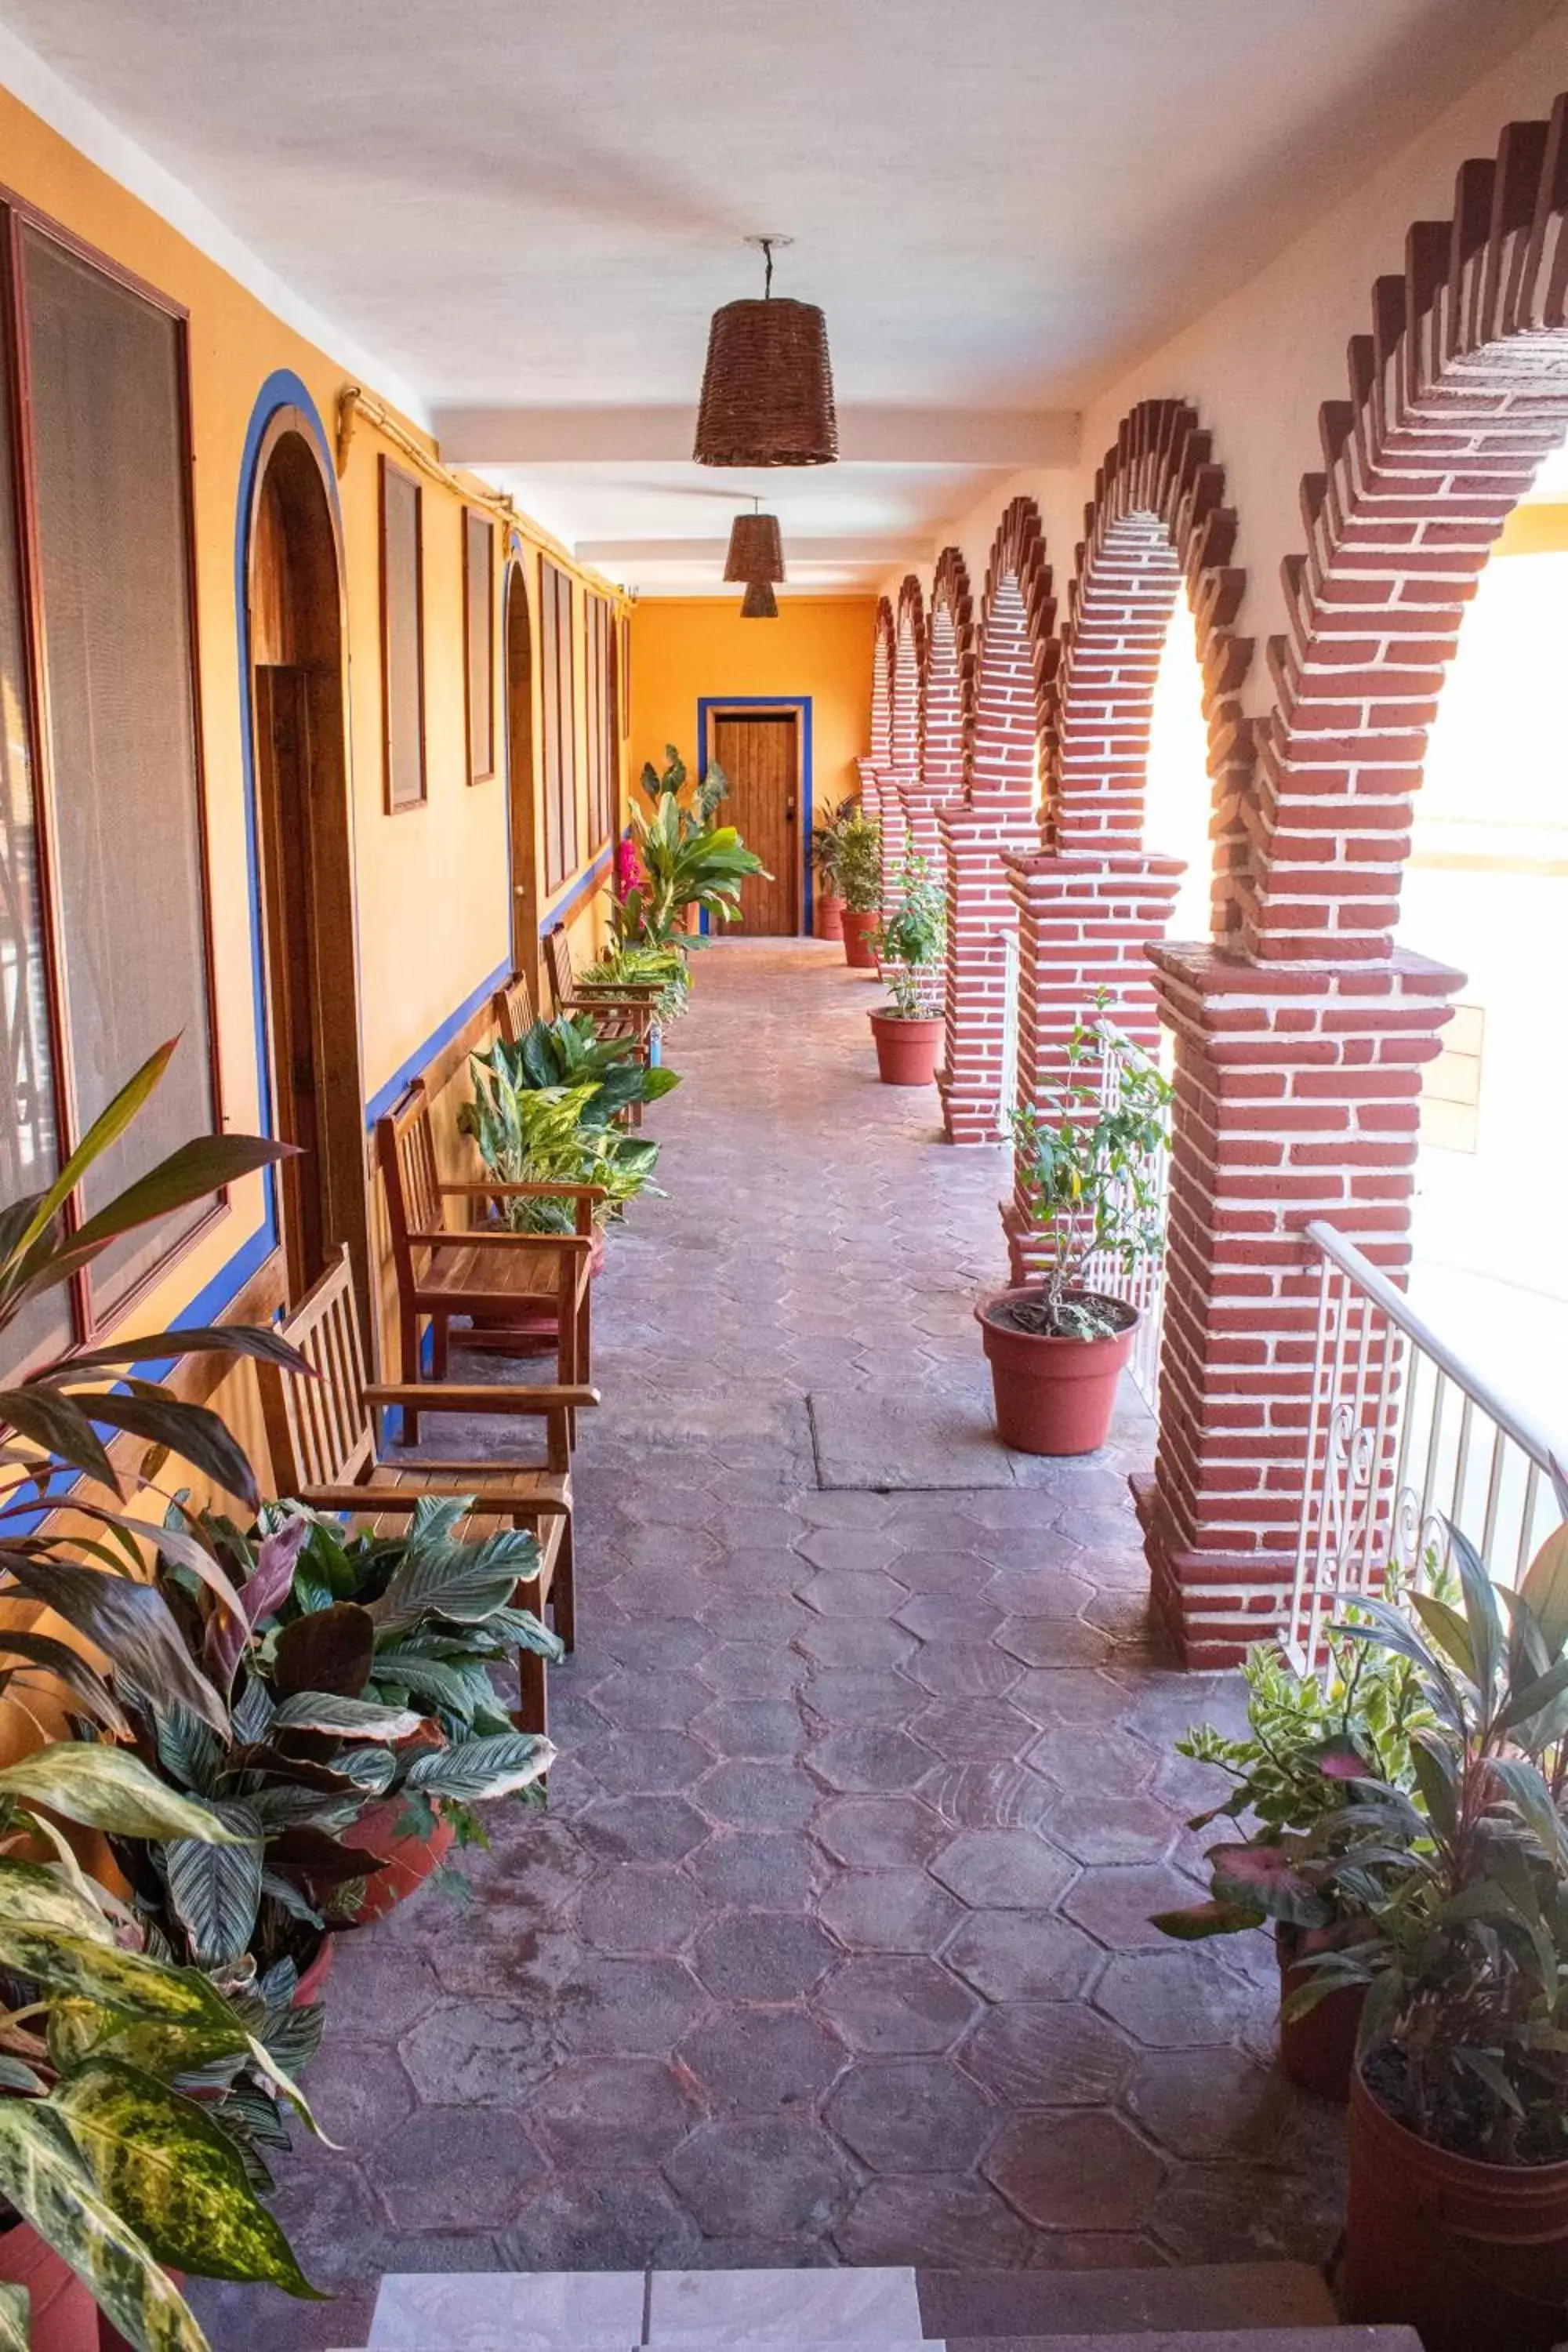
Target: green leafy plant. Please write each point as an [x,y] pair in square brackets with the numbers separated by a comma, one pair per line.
[1465,1955]
[826,837]
[1084,1167]
[661,968]
[686,860]
[544,1112]
[910,941]
[1308,1735]
[860,864]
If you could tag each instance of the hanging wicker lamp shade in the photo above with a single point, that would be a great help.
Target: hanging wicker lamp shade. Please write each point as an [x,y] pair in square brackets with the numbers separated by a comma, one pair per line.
[767,389]
[756,549]
[759,602]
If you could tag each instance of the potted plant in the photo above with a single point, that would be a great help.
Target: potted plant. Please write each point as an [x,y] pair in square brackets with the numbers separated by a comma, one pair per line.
[1085,1165]
[1308,1735]
[909,1032]
[660,971]
[691,865]
[826,836]
[1457,2207]
[860,882]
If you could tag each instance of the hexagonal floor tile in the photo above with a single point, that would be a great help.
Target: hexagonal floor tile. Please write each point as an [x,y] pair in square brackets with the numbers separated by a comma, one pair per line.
[745,1866]
[755,1796]
[964,1670]
[889,1911]
[665,1702]
[762,1956]
[1101,1825]
[1018,1956]
[896,2007]
[752,1670]
[985,1795]
[949,1617]
[761,2060]
[633,1910]
[1035,1595]
[1048,2053]
[940,2221]
[643,1829]
[1075,2171]
[480,2053]
[861,1699]
[878,1832]
[750,1727]
[1179,2000]
[867,1646]
[845,1594]
[1004,1870]
[772,2178]
[1209,2103]
[974,1727]
[852,1550]
[457,2168]
[879,1757]
[1116,1905]
[614,2112]
[911,2115]
[632,2007]
[615,2221]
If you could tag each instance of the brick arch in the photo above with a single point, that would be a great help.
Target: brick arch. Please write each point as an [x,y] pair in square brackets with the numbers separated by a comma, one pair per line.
[1157,520]
[950,675]
[1455,396]
[1015,655]
[874,768]
[1299,1053]
[902,784]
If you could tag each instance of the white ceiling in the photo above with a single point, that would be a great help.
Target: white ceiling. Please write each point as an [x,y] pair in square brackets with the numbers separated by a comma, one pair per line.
[536,204]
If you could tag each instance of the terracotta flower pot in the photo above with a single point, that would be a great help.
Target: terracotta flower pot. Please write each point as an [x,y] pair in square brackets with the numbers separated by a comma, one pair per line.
[829,917]
[1468,2254]
[906,1050]
[1052,1396]
[860,932]
[1317,2050]
[63,2315]
[409,1860]
[314,1977]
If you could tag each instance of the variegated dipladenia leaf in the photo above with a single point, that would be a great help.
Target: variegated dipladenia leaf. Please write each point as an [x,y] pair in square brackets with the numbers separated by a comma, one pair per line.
[41,1896]
[126,1983]
[44,2177]
[174,2177]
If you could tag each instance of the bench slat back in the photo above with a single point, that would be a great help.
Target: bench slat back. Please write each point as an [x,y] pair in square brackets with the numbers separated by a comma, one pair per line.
[558,963]
[406,1148]
[320,1432]
[514,1009]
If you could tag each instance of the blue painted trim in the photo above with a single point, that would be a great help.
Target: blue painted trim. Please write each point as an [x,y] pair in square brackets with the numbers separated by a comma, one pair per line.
[387,1095]
[585,883]
[801,702]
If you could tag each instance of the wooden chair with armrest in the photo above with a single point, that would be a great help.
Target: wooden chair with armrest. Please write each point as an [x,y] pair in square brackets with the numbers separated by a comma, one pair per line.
[619,1012]
[322,1437]
[511,1008]
[482,1271]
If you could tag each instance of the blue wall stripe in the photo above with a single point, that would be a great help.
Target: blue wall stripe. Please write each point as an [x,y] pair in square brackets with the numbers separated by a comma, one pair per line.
[386,1096]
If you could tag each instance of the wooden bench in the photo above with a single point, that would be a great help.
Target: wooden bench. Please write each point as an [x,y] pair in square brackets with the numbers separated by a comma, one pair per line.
[322,1437]
[500,1278]
[629,1012]
[511,1007]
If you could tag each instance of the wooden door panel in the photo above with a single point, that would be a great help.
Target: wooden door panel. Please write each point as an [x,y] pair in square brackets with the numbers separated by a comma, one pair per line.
[761,756]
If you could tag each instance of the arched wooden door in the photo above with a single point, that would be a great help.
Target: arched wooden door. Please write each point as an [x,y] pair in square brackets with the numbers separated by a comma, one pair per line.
[297,684]
[520,777]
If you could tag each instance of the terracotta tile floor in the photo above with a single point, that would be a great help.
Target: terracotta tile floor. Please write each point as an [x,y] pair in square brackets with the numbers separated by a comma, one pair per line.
[834,1944]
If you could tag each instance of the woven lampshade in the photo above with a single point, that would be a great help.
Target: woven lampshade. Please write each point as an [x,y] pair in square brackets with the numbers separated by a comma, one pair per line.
[767,389]
[759,602]
[756,550]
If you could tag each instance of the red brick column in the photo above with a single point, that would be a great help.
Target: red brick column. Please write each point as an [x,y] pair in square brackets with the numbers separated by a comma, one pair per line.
[1084,925]
[900,817]
[1017,660]
[1297,1097]
[949,707]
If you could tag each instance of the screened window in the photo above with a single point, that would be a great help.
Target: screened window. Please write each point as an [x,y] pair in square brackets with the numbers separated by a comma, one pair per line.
[559,733]
[103,940]
[479,633]
[402,636]
[601,732]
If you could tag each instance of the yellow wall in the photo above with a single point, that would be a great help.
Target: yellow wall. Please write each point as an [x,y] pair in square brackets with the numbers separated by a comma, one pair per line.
[432,885]
[687,647]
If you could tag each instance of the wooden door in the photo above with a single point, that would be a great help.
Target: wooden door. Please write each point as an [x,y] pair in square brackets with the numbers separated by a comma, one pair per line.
[283,776]
[759,752]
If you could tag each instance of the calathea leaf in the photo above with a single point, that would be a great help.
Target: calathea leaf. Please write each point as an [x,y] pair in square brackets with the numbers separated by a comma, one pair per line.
[473,1770]
[130,1622]
[43,2176]
[176,2179]
[329,1649]
[109,1789]
[462,1582]
[187,1750]
[217,1889]
[345,1718]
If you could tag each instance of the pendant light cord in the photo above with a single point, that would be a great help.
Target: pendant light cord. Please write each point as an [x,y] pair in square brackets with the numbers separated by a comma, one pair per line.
[766,243]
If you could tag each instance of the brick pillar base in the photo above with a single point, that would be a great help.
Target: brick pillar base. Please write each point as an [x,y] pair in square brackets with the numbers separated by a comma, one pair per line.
[1297,1097]
[976,839]
[1085,920]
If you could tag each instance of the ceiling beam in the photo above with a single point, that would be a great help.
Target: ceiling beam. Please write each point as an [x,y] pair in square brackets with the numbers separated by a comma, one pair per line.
[877,553]
[1012,440]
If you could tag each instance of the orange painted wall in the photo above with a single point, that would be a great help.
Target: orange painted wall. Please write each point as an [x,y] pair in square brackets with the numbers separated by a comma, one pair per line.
[687,647]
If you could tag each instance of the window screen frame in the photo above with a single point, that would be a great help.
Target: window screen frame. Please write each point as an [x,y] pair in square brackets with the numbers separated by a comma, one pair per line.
[481,757]
[389,470]
[91,1317]
[559,731]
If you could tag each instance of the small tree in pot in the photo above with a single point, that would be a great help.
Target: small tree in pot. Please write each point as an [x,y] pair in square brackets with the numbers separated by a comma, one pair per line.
[826,835]
[909,1032]
[1056,1348]
[860,880]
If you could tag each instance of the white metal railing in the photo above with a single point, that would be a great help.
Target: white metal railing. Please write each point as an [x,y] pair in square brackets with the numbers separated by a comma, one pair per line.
[1143,1286]
[1403,1441]
[1007,1092]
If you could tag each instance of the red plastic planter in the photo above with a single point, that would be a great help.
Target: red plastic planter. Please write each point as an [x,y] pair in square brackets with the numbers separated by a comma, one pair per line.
[409,1860]
[64,2316]
[859,933]
[830,917]
[1316,2049]
[1471,2256]
[906,1050]
[1052,1396]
